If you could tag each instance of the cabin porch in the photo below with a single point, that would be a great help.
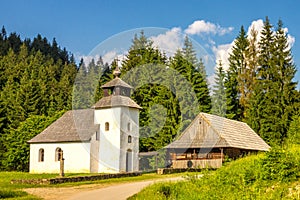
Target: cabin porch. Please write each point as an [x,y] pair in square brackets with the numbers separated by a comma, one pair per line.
[195,158]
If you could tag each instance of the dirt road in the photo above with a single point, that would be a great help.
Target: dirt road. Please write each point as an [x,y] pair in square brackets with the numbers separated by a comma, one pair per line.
[118,191]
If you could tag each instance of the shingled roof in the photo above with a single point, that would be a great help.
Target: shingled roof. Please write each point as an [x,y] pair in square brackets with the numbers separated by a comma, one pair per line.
[221,132]
[73,126]
[116,82]
[115,101]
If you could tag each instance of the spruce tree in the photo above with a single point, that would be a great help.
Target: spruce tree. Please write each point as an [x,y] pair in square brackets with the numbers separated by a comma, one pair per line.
[274,97]
[233,84]
[251,70]
[218,97]
[286,71]
[140,66]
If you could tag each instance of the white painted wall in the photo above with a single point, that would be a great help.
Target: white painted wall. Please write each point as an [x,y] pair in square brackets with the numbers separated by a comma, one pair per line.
[109,151]
[76,154]
[129,115]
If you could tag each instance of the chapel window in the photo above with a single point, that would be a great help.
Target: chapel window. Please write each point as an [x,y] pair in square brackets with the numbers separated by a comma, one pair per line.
[58,153]
[129,139]
[106,126]
[128,126]
[41,155]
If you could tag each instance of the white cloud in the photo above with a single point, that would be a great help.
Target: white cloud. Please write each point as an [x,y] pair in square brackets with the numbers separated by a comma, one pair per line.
[200,26]
[170,41]
[222,54]
[109,56]
[290,39]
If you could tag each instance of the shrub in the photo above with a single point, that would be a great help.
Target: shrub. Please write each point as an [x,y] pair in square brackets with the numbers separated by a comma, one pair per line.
[279,164]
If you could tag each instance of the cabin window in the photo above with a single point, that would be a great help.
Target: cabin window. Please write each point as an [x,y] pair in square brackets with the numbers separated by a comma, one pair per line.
[129,139]
[106,126]
[58,153]
[128,126]
[41,155]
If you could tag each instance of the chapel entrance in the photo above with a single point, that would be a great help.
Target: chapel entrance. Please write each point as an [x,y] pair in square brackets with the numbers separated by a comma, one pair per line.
[129,160]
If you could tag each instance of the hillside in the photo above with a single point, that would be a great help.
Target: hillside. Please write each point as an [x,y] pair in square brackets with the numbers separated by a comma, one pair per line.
[273,175]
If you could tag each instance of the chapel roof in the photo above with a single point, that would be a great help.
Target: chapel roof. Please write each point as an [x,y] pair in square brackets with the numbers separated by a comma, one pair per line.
[116,82]
[116,101]
[73,126]
[221,132]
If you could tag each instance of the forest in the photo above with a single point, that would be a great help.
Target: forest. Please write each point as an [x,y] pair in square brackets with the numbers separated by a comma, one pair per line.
[39,81]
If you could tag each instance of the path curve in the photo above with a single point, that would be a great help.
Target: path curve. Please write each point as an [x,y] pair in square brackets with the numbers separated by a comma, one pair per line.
[119,192]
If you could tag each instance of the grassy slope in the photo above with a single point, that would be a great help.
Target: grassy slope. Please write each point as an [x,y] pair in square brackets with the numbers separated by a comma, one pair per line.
[263,176]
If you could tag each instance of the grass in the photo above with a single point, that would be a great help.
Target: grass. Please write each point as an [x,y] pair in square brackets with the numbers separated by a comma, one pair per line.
[14,191]
[273,175]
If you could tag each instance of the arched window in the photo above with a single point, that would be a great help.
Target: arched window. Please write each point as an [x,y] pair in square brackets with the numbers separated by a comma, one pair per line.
[58,152]
[106,126]
[129,139]
[128,126]
[41,155]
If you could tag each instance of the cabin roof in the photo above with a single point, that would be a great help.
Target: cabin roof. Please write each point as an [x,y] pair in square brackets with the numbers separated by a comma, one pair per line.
[73,126]
[116,101]
[221,132]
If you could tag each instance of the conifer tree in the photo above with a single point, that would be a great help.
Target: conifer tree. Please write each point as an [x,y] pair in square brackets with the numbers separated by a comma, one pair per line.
[251,70]
[218,97]
[274,97]
[233,84]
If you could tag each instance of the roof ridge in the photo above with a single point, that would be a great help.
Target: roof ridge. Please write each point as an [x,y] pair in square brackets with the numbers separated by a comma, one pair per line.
[183,132]
[220,135]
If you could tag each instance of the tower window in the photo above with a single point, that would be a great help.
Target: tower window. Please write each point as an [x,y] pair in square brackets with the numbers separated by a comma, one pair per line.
[41,155]
[128,126]
[58,153]
[106,126]
[129,139]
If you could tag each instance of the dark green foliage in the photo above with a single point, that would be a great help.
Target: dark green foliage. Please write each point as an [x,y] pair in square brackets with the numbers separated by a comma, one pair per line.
[272,104]
[87,84]
[17,154]
[219,98]
[36,78]
[233,84]
[280,165]
[170,98]
[293,134]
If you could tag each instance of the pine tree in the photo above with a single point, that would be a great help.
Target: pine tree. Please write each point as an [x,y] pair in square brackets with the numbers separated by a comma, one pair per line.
[274,97]
[233,84]
[142,66]
[187,64]
[251,70]
[218,97]
[286,71]
[189,52]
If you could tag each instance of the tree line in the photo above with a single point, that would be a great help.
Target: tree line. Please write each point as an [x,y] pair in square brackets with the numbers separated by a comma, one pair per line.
[259,86]
[39,81]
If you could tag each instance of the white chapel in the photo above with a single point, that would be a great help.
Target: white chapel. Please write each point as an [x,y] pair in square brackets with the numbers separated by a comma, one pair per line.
[102,139]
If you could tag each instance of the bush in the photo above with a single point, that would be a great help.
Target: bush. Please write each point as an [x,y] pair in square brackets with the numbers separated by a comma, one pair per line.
[280,165]
[293,134]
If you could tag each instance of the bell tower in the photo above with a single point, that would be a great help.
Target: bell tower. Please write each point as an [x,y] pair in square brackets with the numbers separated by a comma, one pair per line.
[118,116]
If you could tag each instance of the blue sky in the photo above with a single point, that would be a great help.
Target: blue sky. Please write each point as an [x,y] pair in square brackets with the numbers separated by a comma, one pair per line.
[81,25]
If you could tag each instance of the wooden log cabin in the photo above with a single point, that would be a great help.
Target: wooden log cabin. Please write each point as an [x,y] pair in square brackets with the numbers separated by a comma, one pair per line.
[209,138]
